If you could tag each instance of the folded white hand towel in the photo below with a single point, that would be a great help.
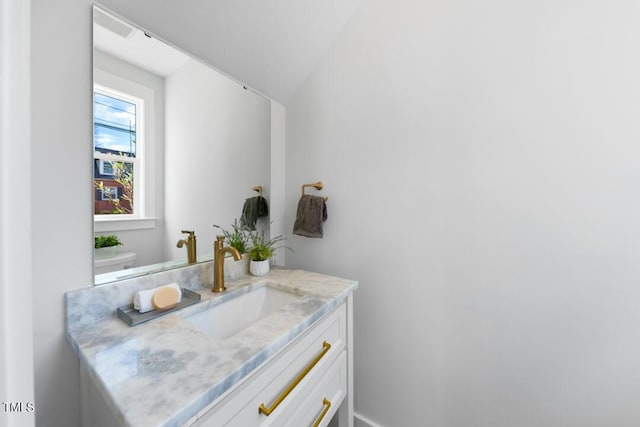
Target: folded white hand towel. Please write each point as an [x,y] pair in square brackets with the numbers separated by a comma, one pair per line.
[142,300]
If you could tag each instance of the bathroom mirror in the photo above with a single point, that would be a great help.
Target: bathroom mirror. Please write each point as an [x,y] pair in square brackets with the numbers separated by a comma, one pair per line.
[177,146]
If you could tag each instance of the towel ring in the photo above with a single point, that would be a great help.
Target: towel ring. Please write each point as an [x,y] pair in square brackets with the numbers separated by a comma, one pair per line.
[258,188]
[317,185]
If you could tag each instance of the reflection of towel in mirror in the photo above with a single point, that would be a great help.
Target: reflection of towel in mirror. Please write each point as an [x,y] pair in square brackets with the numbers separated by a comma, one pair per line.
[312,211]
[254,208]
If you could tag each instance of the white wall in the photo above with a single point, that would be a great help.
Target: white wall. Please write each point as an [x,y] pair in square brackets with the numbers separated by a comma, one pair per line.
[147,244]
[16,326]
[217,149]
[61,222]
[277,214]
[481,160]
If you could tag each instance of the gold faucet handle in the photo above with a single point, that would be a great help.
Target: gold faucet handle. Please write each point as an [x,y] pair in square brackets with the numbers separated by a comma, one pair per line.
[218,245]
[190,233]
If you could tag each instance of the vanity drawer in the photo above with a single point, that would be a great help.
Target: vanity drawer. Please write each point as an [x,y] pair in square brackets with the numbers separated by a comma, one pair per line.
[297,369]
[323,401]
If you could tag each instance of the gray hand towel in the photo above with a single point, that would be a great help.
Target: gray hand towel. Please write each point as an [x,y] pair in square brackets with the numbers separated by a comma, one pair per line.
[312,211]
[254,208]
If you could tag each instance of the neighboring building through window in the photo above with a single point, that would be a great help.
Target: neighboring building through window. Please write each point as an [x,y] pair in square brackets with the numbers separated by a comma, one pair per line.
[117,118]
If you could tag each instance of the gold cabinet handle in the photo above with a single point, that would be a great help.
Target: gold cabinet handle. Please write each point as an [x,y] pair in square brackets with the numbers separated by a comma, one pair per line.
[267,411]
[327,405]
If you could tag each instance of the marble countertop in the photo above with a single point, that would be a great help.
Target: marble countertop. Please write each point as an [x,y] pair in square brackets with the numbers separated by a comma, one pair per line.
[163,372]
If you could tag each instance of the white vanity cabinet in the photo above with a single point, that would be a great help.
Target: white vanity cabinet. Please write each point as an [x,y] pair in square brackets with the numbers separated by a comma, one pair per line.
[296,363]
[305,384]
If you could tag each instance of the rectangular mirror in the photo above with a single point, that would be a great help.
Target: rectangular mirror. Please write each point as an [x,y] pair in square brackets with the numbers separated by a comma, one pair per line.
[177,146]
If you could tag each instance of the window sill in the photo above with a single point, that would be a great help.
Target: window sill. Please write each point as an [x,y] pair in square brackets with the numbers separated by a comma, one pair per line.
[121,224]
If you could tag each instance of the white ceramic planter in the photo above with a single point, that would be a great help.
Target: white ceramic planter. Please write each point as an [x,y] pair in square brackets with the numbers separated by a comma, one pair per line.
[259,268]
[108,252]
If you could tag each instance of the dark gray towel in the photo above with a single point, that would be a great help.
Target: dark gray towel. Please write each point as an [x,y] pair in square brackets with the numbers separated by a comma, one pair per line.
[254,208]
[312,211]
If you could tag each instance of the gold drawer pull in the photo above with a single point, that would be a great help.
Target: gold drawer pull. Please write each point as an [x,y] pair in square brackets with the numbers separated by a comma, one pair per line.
[267,411]
[327,405]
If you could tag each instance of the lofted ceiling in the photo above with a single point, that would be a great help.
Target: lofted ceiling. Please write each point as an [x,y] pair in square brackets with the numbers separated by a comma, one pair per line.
[269,45]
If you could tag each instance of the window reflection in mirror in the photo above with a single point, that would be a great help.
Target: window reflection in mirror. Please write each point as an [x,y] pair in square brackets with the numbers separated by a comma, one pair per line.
[115,157]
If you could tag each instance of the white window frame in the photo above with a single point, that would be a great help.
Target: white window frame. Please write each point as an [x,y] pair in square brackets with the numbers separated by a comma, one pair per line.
[144,199]
[137,161]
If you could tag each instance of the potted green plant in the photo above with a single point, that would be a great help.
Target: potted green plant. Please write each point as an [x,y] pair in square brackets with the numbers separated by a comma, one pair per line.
[105,246]
[237,238]
[260,251]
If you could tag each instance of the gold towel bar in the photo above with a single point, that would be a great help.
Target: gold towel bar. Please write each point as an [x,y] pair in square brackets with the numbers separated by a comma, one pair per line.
[267,411]
[317,185]
[326,405]
[258,188]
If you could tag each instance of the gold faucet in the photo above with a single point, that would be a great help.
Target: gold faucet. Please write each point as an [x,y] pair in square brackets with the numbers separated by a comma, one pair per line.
[191,245]
[218,262]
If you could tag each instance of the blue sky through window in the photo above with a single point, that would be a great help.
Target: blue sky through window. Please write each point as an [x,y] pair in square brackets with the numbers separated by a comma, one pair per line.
[114,125]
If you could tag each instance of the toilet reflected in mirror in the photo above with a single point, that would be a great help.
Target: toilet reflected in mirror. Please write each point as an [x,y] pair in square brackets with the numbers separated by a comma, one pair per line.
[121,261]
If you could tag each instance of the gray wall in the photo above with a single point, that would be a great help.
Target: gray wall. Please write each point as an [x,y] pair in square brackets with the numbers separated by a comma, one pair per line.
[481,163]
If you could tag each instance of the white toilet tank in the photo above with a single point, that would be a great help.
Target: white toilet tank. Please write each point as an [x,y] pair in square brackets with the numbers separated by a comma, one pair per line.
[116,263]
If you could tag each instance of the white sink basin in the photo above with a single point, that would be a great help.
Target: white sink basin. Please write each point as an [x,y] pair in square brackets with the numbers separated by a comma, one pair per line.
[230,317]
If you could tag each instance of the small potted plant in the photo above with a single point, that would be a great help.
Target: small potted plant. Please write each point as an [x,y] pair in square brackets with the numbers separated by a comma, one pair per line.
[260,252]
[105,246]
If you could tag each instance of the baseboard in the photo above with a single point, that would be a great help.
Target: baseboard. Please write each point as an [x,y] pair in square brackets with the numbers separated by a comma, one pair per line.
[362,420]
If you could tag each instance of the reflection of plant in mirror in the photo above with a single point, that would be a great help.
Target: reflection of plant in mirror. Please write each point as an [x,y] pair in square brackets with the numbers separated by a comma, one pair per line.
[239,237]
[107,241]
[261,249]
[123,176]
